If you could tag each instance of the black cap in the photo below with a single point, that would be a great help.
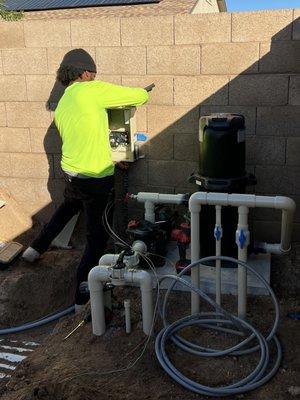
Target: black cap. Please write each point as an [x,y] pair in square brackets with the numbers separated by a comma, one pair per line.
[79,58]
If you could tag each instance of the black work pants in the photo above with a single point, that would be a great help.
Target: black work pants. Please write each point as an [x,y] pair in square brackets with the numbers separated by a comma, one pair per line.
[90,195]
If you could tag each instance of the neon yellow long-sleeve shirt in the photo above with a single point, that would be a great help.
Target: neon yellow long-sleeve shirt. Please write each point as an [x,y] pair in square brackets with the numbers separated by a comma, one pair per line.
[82,122]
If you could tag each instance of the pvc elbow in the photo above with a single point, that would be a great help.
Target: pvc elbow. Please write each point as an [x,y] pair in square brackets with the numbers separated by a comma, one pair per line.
[195,201]
[143,278]
[285,203]
[96,276]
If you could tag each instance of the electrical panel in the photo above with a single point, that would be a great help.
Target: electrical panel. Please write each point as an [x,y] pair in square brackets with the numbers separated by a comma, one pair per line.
[122,130]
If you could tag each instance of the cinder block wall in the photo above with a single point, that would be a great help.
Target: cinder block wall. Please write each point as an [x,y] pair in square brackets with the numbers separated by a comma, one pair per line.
[245,63]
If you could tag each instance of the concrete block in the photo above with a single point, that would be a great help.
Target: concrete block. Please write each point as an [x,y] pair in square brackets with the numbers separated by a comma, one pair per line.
[197,90]
[116,79]
[25,61]
[47,33]
[281,57]
[95,32]
[39,87]
[176,60]
[1,65]
[30,114]
[174,119]
[5,163]
[14,140]
[294,90]
[12,34]
[202,28]
[138,173]
[296,25]
[121,60]
[22,189]
[266,231]
[56,55]
[13,88]
[58,172]
[161,147]
[31,165]
[293,151]
[42,194]
[258,90]
[262,26]
[141,119]
[171,173]
[2,114]
[147,31]
[275,180]
[295,172]
[161,94]
[229,58]
[248,112]
[186,147]
[45,141]
[278,121]
[265,150]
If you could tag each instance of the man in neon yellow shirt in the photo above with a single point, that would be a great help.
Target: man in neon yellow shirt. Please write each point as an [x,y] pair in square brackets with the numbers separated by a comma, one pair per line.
[82,122]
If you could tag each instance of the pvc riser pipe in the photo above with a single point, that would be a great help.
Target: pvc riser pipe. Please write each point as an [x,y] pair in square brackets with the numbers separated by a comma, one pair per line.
[242,201]
[100,274]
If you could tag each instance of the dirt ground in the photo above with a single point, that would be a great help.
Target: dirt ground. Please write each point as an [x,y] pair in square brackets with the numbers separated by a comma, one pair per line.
[79,368]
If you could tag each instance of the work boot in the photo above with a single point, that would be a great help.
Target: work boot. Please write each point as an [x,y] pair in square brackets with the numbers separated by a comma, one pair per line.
[30,255]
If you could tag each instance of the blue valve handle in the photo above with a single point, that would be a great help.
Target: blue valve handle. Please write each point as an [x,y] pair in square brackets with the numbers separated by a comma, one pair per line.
[242,238]
[217,233]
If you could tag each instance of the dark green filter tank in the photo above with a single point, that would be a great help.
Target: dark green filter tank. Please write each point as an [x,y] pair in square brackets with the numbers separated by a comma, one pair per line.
[221,169]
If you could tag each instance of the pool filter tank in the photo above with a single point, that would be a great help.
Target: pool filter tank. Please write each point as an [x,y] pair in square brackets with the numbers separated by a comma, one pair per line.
[221,169]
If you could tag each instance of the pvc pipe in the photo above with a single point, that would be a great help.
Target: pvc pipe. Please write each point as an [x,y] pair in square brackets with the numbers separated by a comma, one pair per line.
[149,211]
[101,274]
[285,204]
[156,198]
[127,315]
[218,253]
[150,199]
[143,278]
[242,229]
[96,276]
[108,259]
[195,254]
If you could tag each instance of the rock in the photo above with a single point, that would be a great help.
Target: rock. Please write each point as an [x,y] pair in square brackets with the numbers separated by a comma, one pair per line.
[294,390]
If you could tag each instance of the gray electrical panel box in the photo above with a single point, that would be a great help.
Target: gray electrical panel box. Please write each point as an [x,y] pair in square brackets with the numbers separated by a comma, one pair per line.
[122,130]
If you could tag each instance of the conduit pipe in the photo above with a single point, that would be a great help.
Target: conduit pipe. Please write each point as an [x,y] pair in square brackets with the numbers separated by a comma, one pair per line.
[285,204]
[150,199]
[101,274]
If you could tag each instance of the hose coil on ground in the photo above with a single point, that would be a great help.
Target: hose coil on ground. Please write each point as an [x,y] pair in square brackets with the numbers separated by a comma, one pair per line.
[223,321]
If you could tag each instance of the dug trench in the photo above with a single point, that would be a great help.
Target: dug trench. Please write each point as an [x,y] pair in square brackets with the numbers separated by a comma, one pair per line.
[119,365]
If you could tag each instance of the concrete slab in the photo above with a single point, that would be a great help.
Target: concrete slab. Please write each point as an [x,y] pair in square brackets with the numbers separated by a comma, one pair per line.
[261,263]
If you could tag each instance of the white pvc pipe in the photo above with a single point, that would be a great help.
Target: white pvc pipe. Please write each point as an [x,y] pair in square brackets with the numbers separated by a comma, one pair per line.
[96,276]
[242,228]
[101,274]
[150,199]
[195,209]
[218,253]
[127,315]
[285,204]
[108,259]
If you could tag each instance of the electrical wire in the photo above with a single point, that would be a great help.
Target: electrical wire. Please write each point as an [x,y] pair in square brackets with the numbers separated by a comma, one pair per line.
[223,321]
[133,363]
